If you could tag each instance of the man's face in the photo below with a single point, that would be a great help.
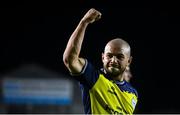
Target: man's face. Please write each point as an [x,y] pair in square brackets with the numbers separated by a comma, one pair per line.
[115,60]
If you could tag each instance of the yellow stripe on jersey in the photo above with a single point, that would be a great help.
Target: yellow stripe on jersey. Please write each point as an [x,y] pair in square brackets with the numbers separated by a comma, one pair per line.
[107,98]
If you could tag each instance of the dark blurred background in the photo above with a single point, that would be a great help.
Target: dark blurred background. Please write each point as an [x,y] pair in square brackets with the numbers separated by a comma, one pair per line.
[33,36]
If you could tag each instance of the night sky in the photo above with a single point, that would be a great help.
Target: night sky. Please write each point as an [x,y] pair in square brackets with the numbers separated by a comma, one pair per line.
[37,32]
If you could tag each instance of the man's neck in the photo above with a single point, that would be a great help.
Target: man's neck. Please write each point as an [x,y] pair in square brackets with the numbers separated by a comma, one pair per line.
[119,77]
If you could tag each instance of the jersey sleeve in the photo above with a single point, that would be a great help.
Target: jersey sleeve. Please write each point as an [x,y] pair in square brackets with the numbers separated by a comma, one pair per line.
[88,75]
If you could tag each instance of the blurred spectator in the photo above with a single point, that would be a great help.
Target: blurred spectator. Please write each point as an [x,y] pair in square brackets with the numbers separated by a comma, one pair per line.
[127,74]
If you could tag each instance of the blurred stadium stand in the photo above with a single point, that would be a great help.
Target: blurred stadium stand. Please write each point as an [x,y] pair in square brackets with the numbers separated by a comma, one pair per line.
[35,89]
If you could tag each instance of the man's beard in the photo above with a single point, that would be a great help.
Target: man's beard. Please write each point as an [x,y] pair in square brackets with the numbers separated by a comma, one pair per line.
[113,71]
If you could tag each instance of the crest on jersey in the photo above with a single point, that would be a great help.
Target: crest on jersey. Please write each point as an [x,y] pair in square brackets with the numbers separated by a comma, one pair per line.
[133,101]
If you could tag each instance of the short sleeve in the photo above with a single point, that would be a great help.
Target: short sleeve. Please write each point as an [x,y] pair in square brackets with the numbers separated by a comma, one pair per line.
[88,75]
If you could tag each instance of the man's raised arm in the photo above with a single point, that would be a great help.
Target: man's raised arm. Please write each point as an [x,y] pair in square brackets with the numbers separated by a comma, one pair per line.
[71,54]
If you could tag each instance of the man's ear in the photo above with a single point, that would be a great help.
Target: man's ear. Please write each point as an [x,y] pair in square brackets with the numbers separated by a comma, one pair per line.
[130,60]
[102,56]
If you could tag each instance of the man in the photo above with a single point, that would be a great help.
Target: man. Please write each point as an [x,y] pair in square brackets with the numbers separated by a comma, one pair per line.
[104,91]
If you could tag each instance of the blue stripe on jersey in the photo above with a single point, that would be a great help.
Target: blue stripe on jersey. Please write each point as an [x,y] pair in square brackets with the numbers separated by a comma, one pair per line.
[127,87]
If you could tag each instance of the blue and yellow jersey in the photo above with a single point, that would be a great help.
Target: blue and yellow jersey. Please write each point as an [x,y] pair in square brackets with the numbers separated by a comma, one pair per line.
[102,95]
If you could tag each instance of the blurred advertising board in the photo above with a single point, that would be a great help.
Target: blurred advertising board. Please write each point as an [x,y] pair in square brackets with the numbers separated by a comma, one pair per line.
[37,91]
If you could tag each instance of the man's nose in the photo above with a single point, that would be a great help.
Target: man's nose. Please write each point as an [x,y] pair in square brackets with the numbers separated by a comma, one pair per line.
[114,59]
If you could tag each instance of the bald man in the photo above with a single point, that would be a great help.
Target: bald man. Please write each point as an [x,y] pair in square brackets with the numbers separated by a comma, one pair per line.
[104,90]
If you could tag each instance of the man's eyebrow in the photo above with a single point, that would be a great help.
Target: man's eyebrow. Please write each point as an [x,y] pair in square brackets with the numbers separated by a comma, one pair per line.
[118,54]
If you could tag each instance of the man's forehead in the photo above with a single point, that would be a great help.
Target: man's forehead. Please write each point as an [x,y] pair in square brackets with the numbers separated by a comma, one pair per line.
[114,52]
[117,49]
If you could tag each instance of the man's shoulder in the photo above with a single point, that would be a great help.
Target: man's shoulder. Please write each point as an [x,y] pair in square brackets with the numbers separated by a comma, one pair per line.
[128,87]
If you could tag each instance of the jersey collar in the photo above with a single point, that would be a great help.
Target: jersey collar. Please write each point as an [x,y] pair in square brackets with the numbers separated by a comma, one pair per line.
[114,81]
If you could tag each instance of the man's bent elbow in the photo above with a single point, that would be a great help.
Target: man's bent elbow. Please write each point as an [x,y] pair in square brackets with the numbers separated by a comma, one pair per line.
[68,60]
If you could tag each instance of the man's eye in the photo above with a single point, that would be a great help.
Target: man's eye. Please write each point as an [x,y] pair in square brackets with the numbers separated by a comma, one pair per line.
[109,55]
[120,57]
